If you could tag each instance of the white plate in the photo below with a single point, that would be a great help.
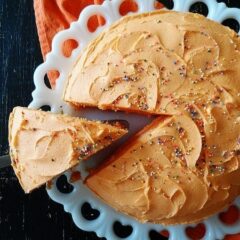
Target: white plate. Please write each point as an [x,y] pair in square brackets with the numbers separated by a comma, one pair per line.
[42,95]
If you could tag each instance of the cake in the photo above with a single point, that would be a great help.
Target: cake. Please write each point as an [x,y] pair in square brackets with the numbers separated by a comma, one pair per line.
[44,145]
[184,69]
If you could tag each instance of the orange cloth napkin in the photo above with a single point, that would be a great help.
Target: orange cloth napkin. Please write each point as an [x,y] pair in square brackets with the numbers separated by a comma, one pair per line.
[53,16]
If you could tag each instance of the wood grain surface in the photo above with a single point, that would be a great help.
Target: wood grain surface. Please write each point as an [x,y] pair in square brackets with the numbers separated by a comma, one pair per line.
[33,216]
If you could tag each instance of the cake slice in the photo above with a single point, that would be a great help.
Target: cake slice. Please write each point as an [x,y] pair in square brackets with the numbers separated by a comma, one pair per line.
[43,144]
[161,175]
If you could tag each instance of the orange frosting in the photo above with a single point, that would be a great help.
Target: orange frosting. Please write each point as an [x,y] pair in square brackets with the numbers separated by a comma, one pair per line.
[43,145]
[185,67]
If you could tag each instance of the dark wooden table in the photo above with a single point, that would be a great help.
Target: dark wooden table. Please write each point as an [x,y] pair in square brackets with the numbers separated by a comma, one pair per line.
[32,216]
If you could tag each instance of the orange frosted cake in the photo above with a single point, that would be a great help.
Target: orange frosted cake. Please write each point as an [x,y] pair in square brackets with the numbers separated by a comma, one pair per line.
[182,66]
[182,167]
[43,144]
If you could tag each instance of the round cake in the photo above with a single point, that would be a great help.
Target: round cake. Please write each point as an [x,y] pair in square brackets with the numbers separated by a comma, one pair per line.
[185,69]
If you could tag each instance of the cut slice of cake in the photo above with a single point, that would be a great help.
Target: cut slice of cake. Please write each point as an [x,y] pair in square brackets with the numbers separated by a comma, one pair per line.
[161,175]
[43,144]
